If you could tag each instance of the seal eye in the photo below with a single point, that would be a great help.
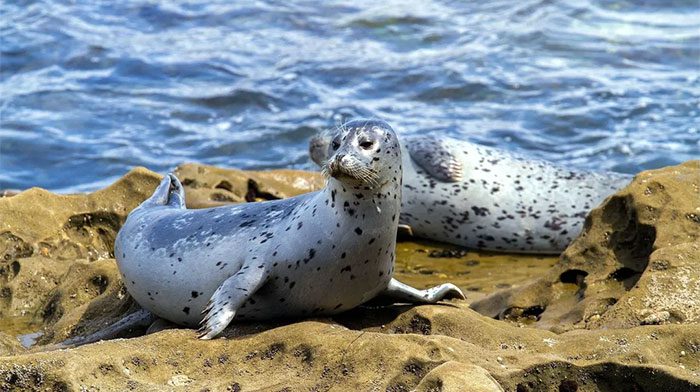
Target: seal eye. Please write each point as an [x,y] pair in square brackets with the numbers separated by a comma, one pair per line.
[366,144]
[335,145]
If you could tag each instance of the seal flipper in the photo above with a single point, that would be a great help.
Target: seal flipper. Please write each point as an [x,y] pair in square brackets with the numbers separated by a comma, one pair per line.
[176,193]
[160,195]
[169,192]
[435,157]
[226,300]
[140,318]
[402,292]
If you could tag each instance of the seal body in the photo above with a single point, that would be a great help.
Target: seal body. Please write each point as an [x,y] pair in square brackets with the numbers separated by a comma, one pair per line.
[319,253]
[313,254]
[485,198]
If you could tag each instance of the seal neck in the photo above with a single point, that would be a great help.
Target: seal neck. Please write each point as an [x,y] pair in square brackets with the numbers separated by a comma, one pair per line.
[386,197]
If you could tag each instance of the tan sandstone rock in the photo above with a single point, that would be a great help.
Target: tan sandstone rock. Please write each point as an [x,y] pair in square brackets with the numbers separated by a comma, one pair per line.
[619,308]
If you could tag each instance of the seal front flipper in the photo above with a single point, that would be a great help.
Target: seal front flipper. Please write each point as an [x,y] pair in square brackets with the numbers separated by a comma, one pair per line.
[435,157]
[404,293]
[228,298]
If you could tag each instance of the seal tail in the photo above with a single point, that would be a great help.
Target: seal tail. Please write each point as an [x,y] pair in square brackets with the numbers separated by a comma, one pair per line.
[169,193]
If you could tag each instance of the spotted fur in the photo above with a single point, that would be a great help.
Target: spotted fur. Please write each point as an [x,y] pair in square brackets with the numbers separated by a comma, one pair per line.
[318,253]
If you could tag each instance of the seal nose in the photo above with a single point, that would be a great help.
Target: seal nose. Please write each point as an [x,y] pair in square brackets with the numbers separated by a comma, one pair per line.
[335,164]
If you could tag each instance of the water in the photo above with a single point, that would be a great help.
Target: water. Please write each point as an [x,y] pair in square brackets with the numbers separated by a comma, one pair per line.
[90,89]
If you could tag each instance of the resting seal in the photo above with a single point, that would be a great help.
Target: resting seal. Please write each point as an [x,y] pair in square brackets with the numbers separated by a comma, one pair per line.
[484,198]
[315,254]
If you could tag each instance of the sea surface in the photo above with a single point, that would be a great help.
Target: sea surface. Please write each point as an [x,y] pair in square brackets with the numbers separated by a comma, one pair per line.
[90,89]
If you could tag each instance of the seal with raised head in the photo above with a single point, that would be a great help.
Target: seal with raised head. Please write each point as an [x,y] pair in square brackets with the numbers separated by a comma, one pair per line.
[485,198]
[315,254]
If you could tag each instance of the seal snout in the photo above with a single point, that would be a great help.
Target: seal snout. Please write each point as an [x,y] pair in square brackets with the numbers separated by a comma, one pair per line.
[337,166]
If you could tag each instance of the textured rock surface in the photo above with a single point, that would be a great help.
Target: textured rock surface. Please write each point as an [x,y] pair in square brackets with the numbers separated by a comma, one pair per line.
[434,347]
[209,186]
[636,265]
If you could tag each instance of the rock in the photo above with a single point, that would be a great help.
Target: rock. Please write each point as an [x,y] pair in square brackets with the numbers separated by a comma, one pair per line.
[68,227]
[457,376]
[209,186]
[461,349]
[57,270]
[9,345]
[636,262]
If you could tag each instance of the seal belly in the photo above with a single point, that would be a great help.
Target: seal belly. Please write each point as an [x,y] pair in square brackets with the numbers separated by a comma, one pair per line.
[171,266]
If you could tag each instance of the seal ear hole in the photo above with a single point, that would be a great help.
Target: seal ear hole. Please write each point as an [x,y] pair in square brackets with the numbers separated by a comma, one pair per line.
[366,144]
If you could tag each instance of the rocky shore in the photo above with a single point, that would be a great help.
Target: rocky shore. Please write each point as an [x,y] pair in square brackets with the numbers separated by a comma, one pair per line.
[619,310]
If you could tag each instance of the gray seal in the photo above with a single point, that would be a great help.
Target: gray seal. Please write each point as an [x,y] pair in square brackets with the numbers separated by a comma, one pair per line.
[319,253]
[485,198]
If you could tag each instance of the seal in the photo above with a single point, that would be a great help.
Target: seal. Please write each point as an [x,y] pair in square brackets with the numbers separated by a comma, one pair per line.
[319,253]
[485,198]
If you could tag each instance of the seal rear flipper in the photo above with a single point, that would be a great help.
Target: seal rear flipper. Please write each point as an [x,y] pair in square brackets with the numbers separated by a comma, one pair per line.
[435,157]
[140,318]
[176,193]
[404,293]
[169,192]
[228,298]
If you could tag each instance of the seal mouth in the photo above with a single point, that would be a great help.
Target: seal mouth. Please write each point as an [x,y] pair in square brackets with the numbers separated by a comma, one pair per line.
[352,170]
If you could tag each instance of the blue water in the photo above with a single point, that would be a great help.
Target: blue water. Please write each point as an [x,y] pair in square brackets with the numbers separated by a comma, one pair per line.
[90,89]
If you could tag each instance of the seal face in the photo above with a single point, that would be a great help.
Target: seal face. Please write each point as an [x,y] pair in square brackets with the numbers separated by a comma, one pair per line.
[484,198]
[318,253]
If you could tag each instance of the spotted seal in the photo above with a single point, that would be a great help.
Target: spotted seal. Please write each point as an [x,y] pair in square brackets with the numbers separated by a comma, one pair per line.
[319,253]
[485,198]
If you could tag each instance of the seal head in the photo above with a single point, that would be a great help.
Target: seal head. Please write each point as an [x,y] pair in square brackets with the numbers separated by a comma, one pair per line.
[319,145]
[366,153]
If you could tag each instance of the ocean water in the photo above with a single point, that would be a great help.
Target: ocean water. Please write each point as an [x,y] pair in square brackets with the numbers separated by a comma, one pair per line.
[89,89]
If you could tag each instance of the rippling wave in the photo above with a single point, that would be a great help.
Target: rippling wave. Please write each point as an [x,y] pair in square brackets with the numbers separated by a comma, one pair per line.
[90,89]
